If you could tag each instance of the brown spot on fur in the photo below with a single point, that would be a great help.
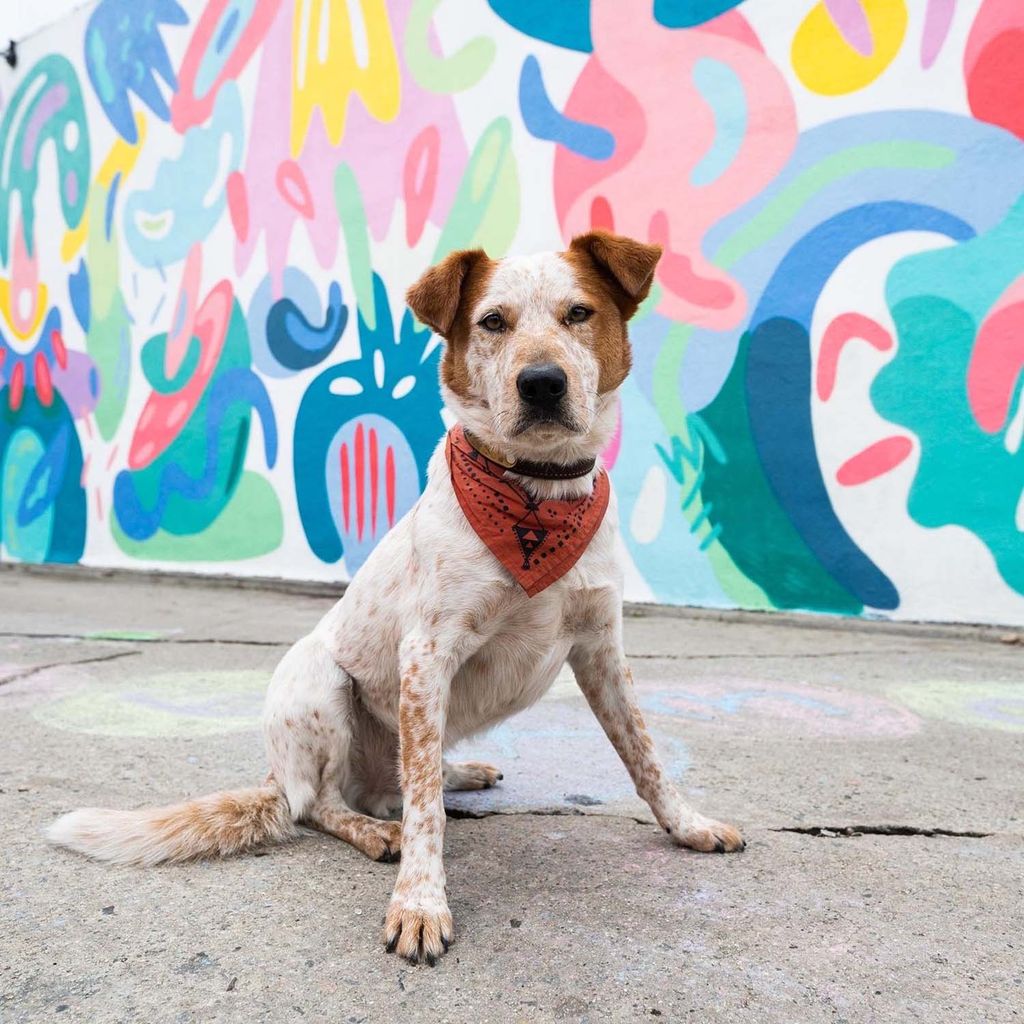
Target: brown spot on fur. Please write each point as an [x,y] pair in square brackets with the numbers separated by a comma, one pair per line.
[443,299]
[616,273]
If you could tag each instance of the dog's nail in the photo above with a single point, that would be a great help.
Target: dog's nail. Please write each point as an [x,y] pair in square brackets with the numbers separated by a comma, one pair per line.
[446,942]
[500,776]
[392,943]
[719,846]
[743,844]
[431,960]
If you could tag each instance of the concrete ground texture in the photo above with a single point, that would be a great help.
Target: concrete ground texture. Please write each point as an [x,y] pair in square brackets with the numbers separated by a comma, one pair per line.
[877,773]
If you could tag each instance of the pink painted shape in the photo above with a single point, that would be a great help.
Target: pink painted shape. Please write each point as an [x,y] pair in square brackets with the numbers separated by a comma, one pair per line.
[611,452]
[188,109]
[238,204]
[995,366]
[375,151]
[293,187]
[419,181]
[873,461]
[852,22]
[937,19]
[844,328]
[184,312]
[662,128]
[24,281]
[153,432]
[994,18]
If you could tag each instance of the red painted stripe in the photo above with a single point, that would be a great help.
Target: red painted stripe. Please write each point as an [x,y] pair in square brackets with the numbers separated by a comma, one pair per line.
[44,385]
[841,330]
[345,490]
[360,454]
[389,484]
[59,350]
[874,460]
[17,386]
[373,482]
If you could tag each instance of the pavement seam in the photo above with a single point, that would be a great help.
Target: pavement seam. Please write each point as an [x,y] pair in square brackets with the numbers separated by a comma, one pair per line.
[721,656]
[25,674]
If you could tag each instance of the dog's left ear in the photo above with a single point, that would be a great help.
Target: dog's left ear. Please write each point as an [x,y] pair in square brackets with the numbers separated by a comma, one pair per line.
[624,263]
[435,297]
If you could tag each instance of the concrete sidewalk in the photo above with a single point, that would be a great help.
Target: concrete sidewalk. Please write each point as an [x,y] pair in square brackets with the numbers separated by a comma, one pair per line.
[878,777]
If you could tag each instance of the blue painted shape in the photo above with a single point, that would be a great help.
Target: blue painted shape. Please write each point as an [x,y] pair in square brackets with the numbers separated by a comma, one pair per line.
[125,53]
[234,20]
[722,90]
[296,343]
[78,292]
[187,198]
[565,22]
[778,383]
[687,13]
[141,519]
[348,390]
[544,121]
[54,483]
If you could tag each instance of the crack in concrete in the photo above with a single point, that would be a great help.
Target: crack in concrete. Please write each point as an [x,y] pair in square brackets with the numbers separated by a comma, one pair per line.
[818,831]
[27,673]
[847,831]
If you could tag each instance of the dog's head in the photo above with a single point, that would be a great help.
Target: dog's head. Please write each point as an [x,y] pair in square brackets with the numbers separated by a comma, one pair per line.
[536,346]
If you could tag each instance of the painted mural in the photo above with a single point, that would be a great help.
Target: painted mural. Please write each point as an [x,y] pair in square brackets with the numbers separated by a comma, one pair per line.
[209,214]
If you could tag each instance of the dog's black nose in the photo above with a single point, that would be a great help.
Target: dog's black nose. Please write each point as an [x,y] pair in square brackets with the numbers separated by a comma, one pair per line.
[542,385]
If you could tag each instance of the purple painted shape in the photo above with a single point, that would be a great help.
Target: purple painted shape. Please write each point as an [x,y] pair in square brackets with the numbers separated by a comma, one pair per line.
[851,20]
[71,187]
[937,19]
[49,103]
[77,384]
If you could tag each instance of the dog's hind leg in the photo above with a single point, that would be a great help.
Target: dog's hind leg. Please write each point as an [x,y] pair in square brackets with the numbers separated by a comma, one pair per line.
[309,730]
[463,775]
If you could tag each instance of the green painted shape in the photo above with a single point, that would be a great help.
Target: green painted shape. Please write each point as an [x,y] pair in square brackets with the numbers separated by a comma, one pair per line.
[65,129]
[184,515]
[462,70]
[31,541]
[178,704]
[485,211]
[154,367]
[754,530]
[855,160]
[250,525]
[348,201]
[965,476]
[108,340]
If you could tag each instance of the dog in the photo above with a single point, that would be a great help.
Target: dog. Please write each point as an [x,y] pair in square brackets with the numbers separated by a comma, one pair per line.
[503,571]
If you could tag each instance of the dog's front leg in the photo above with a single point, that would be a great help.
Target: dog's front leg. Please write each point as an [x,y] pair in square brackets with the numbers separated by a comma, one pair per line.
[418,923]
[604,677]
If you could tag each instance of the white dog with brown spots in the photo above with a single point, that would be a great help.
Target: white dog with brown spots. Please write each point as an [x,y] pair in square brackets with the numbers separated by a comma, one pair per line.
[505,569]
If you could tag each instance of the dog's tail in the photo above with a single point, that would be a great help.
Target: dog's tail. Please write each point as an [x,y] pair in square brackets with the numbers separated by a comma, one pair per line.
[216,825]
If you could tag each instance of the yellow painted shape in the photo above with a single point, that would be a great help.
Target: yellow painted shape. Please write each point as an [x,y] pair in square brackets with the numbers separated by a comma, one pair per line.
[8,311]
[326,68]
[827,64]
[121,158]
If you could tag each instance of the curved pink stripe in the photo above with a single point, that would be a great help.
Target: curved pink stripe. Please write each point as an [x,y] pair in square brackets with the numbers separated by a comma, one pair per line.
[837,334]
[874,460]
[850,19]
[374,482]
[995,366]
[937,19]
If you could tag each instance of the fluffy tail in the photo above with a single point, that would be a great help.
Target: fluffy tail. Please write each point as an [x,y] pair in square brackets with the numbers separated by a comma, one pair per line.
[215,825]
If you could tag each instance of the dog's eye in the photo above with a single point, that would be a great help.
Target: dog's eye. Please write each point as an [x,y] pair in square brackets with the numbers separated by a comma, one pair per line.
[493,322]
[577,314]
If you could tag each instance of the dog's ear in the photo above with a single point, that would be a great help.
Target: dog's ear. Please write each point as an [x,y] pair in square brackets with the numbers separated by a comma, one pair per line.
[624,263]
[435,297]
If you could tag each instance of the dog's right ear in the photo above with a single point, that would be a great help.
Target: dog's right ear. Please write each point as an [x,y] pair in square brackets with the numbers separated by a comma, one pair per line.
[435,297]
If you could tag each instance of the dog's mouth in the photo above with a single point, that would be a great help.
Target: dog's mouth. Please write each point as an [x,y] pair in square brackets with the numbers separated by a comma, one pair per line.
[546,421]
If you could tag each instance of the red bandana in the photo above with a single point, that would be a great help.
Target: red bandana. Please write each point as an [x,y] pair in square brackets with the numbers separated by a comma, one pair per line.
[537,541]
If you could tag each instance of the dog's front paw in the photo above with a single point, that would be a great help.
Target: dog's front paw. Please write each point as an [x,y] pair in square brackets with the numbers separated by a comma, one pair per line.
[418,926]
[707,836]
[465,775]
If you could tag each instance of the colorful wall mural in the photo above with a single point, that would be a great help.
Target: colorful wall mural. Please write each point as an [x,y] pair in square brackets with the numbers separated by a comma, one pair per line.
[209,214]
